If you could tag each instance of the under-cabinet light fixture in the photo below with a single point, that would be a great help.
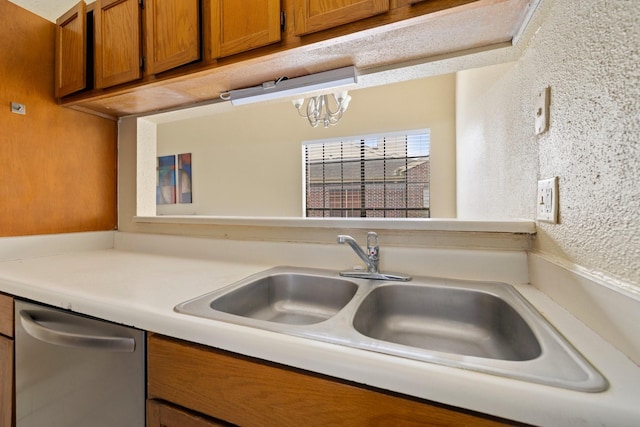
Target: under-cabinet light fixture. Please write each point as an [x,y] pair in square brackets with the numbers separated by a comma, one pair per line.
[284,87]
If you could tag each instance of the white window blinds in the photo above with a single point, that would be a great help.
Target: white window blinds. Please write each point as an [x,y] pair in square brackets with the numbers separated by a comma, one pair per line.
[368,177]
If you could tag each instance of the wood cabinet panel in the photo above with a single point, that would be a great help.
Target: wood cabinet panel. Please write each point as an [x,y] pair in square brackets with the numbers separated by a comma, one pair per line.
[6,315]
[117,42]
[6,382]
[162,415]
[249,392]
[172,34]
[71,51]
[317,15]
[59,165]
[233,27]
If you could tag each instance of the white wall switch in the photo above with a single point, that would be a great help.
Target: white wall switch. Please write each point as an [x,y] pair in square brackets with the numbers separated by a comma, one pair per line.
[547,203]
[542,111]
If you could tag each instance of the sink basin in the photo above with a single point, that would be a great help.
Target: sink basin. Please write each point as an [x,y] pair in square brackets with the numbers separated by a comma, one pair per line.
[450,320]
[290,298]
[277,298]
[480,326]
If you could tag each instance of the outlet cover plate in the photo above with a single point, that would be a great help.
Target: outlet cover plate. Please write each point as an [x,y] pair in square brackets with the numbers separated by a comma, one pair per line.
[547,203]
[18,108]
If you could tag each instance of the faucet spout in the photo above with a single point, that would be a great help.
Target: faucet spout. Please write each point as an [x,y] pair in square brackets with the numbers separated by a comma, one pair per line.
[371,259]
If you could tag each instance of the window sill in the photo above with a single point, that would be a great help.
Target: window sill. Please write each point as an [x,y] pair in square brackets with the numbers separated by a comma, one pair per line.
[431,224]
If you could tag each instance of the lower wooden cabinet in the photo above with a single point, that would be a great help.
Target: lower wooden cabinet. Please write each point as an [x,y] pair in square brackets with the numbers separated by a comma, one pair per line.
[160,414]
[6,382]
[6,362]
[250,392]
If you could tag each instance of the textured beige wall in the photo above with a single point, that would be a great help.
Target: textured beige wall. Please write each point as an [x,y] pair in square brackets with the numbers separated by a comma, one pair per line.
[588,53]
[247,162]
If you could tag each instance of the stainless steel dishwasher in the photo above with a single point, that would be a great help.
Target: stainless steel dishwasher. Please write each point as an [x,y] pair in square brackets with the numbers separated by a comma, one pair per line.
[75,371]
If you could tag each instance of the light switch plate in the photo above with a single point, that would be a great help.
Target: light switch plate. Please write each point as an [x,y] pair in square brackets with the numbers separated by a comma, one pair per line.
[547,203]
[542,111]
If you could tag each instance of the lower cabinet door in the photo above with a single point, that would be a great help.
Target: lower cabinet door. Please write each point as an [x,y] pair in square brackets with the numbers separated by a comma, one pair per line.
[162,415]
[6,382]
[252,392]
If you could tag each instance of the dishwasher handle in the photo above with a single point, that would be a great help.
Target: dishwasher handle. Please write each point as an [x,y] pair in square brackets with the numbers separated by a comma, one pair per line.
[70,339]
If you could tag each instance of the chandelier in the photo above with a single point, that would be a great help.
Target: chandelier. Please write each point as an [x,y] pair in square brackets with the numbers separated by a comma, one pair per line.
[323,109]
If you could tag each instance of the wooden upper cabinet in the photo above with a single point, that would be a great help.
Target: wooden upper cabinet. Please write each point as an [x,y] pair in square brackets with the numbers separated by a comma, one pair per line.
[233,26]
[71,51]
[117,42]
[172,34]
[317,15]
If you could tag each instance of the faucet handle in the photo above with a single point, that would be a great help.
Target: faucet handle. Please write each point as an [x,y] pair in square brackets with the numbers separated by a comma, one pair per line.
[373,245]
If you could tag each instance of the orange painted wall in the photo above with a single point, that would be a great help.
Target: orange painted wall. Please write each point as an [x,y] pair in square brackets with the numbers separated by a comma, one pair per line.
[57,166]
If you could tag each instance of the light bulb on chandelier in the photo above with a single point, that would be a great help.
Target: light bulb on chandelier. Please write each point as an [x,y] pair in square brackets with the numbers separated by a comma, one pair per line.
[323,109]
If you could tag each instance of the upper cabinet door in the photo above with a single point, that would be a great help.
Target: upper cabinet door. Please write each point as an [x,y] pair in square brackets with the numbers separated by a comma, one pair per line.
[172,31]
[117,42]
[317,15]
[71,51]
[233,26]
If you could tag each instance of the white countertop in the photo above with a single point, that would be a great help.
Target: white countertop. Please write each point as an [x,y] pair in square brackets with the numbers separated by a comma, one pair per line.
[140,289]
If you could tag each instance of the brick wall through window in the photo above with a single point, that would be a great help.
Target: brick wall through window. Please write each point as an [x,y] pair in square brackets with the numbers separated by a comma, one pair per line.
[369,177]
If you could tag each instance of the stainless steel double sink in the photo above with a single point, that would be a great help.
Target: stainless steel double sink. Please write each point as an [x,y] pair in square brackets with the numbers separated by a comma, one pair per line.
[481,326]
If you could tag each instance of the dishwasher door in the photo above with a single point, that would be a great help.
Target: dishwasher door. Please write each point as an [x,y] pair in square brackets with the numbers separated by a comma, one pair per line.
[75,371]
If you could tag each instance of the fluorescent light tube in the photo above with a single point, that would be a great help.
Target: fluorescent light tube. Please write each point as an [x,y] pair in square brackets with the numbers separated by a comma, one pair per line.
[297,86]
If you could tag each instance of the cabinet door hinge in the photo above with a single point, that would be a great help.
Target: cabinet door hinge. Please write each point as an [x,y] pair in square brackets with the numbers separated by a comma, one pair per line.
[283,20]
[141,3]
[142,63]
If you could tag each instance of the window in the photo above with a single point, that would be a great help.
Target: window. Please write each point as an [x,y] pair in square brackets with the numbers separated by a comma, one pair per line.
[368,177]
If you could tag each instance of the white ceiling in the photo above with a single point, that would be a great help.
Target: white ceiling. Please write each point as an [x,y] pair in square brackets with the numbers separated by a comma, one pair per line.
[48,9]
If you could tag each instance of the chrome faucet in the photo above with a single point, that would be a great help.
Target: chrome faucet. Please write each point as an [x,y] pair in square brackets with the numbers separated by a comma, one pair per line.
[371,259]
